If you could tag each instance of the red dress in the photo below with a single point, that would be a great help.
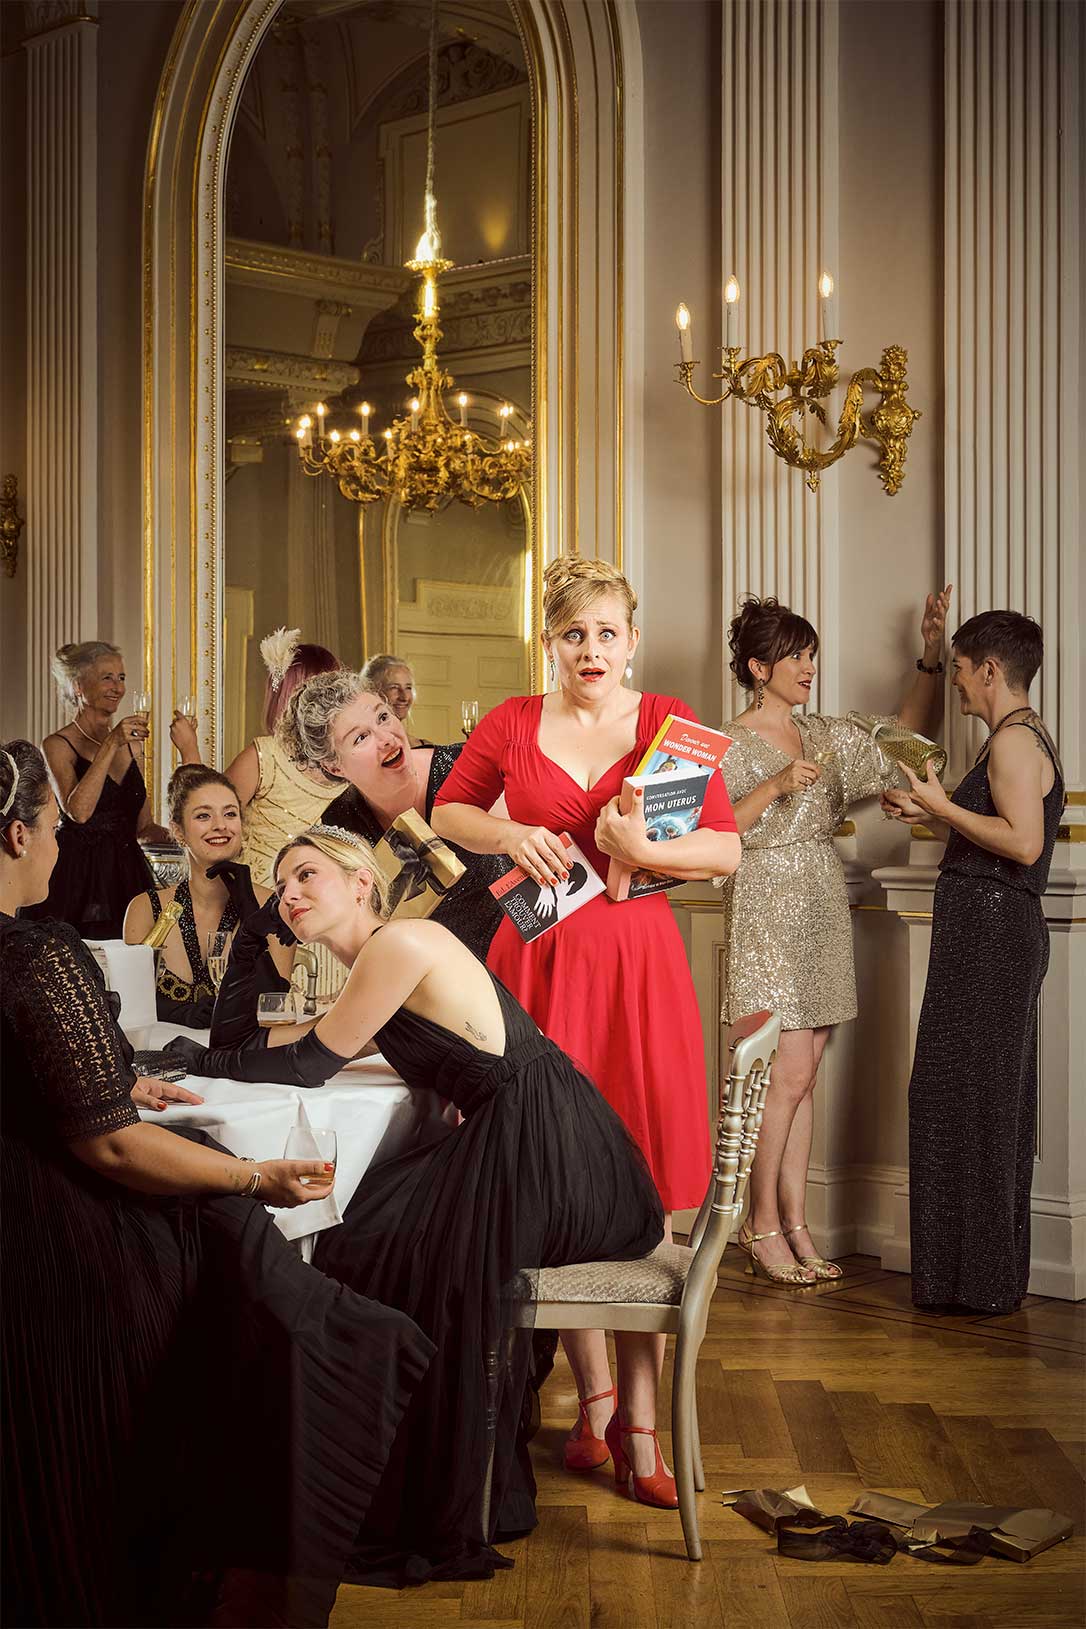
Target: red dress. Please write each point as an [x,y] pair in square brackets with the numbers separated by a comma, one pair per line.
[610,984]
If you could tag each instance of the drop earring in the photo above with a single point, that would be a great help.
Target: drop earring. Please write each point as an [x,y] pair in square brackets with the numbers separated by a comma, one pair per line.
[551,665]
[758,699]
[629,671]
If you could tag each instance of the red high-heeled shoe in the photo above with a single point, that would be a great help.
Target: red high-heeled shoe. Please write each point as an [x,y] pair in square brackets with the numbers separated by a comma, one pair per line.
[659,1488]
[586,1452]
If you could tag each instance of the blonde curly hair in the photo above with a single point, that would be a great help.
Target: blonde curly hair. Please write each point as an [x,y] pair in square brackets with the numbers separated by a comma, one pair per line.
[572,583]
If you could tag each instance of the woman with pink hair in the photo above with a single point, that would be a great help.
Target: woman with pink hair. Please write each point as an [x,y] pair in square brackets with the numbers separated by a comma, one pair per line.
[280,798]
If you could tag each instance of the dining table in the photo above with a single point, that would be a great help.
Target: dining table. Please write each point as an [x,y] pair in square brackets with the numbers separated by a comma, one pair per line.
[372,1111]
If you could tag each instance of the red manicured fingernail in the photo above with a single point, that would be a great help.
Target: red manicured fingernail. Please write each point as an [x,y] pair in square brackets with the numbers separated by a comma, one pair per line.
[328,1166]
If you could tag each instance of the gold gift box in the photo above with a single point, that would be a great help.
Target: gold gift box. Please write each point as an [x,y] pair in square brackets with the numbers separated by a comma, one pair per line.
[418,867]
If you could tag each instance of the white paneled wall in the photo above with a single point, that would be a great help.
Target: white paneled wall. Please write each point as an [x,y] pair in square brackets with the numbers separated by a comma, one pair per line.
[1013,214]
[779,184]
[62,369]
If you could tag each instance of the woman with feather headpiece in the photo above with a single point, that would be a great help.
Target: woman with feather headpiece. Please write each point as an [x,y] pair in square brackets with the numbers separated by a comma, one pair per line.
[278,798]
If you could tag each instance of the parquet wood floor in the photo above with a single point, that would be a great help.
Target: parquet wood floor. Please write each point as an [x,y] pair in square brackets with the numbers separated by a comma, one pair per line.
[842,1388]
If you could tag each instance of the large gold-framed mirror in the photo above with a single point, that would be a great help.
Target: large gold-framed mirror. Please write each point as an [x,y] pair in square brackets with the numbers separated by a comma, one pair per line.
[323,204]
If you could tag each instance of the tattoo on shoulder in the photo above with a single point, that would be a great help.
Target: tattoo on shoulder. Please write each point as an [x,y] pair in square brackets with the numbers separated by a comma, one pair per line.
[476,1034]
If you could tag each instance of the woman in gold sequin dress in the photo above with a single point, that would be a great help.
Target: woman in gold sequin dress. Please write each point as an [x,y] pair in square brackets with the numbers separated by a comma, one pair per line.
[786,917]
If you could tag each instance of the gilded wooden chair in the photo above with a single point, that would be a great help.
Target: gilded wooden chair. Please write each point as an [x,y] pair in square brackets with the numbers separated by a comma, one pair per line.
[669,1291]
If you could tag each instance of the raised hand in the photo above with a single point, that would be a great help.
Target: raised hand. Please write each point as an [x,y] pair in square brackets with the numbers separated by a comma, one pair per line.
[183,736]
[933,624]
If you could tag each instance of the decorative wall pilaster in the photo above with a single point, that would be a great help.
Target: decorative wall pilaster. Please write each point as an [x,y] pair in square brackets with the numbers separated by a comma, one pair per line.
[779,229]
[61,326]
[1013,246]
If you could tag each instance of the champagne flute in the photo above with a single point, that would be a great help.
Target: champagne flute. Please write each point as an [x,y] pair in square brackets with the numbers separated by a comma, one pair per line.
[312,1143]
[187,709]
[275,1007]
[218,954]
[469,716]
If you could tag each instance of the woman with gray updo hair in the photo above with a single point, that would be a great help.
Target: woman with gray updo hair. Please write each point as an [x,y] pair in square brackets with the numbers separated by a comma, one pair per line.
[339,724]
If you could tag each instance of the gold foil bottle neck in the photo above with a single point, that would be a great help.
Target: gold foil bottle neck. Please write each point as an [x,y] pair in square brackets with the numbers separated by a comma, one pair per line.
[160,931]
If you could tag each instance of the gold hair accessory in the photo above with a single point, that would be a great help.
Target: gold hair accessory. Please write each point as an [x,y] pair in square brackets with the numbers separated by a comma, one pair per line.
[278,650]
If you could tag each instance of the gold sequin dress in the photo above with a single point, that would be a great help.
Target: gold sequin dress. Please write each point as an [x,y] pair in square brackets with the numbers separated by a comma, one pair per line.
[786,918]
[285,803]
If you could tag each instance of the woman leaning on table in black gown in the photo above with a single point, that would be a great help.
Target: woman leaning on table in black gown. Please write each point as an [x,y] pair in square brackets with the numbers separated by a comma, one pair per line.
[194,1420]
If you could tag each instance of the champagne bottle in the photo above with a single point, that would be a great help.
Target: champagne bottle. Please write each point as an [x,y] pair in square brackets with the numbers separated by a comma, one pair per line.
[905,746]
[160,931]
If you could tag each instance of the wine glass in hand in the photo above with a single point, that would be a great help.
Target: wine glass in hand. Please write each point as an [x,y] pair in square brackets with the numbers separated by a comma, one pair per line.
[469,717]
[313,1143]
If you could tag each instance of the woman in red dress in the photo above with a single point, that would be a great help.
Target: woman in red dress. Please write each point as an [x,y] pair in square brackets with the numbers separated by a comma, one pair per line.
[610,984]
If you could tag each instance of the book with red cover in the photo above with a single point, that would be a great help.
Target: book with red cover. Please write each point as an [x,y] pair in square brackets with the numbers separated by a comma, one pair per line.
[673,777]
[533,909]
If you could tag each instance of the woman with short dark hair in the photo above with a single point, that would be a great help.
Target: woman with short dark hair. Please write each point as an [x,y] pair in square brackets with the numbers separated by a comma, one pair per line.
[786,916]
[973,1092]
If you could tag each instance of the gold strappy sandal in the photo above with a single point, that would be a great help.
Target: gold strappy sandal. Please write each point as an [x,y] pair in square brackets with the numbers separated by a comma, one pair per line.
[794,1277]
[823,1270]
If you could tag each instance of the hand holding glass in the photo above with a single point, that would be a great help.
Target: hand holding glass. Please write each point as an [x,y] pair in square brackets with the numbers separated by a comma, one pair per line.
[313,1143]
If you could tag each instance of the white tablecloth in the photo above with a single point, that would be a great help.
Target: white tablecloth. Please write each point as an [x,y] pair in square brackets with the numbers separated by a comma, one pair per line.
[367,1105]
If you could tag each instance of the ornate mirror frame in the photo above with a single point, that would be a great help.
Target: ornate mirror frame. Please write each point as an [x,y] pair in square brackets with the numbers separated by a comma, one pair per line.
[584,63]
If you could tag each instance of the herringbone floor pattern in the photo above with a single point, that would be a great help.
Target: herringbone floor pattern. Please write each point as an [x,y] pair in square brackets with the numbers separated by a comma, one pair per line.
[842,1388]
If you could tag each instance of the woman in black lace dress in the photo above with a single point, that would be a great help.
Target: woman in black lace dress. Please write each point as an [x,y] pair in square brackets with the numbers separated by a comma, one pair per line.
[337,723]
[96,767]
[541,1172]
[205,818]
[181,1394]
[973,1093]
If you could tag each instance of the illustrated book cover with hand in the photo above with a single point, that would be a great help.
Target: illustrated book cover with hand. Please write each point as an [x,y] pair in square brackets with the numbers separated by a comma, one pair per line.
[533,908]
[419,869]
[673,778]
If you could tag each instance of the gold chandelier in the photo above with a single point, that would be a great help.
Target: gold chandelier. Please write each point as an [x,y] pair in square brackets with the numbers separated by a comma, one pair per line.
[786,394]
[426,459]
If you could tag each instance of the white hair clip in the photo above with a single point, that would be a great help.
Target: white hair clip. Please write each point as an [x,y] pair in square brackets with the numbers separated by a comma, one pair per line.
[14,782]
[278,650]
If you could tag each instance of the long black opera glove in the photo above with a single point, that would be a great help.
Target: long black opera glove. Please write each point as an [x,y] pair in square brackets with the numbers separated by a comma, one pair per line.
[306,1062]
[239,885]
[250,972]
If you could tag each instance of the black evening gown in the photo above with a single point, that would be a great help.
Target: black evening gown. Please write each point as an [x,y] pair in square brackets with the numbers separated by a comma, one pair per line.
[470,911]
[973,1092]
[101,866]
[542,1172]
[183,1397]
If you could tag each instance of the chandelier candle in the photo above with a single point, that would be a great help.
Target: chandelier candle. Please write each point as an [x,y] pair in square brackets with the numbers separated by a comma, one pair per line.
[827,309]
[731,313]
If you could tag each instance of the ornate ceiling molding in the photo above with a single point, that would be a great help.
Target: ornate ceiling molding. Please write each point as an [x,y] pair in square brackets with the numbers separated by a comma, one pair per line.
[279,370]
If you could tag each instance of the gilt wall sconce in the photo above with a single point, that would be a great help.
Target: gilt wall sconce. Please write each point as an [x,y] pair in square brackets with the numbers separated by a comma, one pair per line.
[785,394]
[11,524]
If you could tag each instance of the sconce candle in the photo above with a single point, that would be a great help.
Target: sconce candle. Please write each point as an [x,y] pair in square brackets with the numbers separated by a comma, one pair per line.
[827,308]
[462,402]
[731,312]
[683,324]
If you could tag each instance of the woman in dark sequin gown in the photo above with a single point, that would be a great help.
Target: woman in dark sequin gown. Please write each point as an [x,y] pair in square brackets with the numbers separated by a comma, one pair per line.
[338,724]
[973,1093]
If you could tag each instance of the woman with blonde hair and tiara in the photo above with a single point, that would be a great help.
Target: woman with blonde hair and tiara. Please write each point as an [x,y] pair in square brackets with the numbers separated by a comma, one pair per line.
[610,984]
[540,1173]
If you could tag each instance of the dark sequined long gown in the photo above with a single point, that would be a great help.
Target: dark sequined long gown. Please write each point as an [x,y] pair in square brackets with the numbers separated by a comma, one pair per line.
[973,1093]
